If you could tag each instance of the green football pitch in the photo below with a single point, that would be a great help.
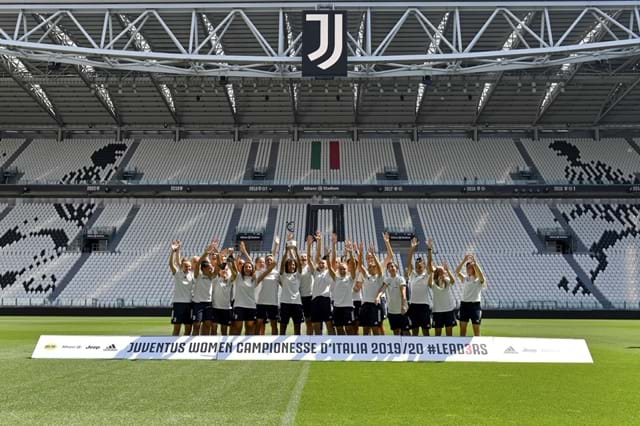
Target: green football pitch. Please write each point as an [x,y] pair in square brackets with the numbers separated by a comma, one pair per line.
[89,392]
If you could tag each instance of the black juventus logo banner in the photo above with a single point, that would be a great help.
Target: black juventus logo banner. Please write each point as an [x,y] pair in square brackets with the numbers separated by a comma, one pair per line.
[324,44]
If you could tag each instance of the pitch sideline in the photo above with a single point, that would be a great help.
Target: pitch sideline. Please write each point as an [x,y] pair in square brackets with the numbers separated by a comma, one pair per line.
[289,415]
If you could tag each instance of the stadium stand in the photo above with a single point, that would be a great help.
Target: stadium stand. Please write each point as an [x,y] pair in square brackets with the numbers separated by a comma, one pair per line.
[434,160]
[397,218]
[136,272]
[133,273]
[359,224]
[114,215]
[450,159]
[8,146]
[191,160]
[254,217]
[619,280]
[292,214]
[333,161]
[71,161]
[539,215]
[612,235]
[584,161]
[524,282]
[488,228]
[261,164]
[32,286]
[325,225]
[33,240]
[528,282]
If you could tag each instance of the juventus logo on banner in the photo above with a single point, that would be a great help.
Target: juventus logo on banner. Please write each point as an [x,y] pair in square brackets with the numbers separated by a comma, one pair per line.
[324,44]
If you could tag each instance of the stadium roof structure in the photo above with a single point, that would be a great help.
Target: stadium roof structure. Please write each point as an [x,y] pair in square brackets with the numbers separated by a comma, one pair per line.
[222,65]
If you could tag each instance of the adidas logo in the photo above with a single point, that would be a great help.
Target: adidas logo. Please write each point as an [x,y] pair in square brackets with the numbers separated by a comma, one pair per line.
[510,350]
[111,348]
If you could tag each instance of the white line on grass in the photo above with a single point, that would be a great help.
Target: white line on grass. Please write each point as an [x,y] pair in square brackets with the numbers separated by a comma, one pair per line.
[289,416]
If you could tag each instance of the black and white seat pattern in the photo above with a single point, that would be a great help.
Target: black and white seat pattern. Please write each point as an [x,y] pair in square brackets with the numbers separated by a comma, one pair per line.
[32,245]
[611,232]
[581,171]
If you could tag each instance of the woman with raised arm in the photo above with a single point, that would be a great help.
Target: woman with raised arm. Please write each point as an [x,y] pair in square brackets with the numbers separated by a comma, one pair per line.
[323,279]
[419,293]
[182,290]
[356,297]
[290,300]
[245,252]
[370,314]
[473,282]
[343,315]
[222,297]
[441,281]
[430,266]
[396,288]
[245,283]
[390,257]
[306,285]
[356,294]
[268,307]
[203,292]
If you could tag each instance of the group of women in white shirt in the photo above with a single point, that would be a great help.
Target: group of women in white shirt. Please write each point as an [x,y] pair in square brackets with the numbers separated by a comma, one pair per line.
[221,292]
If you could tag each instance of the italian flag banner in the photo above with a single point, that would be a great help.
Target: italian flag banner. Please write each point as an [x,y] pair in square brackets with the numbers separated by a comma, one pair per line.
[334,155]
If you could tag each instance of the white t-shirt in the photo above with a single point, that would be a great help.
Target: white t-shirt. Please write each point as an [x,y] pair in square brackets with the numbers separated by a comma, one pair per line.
[306,282]
[290,288]
[343,292]
[419,288]
[202,290]
[267,293]
[370,287]
[222,293]
[245,292]
[356,296]
[322,283]
[394,291]
[443,298]
[183,289]
[471,289]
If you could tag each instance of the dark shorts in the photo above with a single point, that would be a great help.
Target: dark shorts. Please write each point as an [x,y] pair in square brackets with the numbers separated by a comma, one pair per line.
[291,311]
[399,322]
[181,313]
[222,316]
[202,311]
[370,315]
[343,316]
[306,307]
[470,311]
[244,314]
[420,315]
[383,308]
[321,309]
[268,312]
[356,309]
[444,319]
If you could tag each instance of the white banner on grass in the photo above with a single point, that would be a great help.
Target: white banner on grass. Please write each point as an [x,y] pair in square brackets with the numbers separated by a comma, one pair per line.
[316,348]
